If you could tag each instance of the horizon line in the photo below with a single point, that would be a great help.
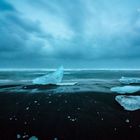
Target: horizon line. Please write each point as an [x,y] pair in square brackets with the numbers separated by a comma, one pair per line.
[66,69]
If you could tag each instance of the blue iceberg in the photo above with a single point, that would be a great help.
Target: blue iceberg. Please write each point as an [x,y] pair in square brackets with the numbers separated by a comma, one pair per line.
[126,89]
[130,103]
[53,78]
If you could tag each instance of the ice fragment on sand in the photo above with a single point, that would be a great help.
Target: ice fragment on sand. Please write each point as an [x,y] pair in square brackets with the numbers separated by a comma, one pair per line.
[50,102]
[126,89]
[53,78]
[130,103]
[129,80]
[33,138]
[25,136]
[18,136]
[35,102]
[10,118]
[27,108]
[127,121]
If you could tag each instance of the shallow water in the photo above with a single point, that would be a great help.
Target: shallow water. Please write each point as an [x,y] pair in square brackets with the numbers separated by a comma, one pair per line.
[87,110]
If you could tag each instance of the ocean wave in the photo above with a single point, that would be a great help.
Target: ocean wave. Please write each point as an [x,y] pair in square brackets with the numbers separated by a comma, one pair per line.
[5,81]
[9,81]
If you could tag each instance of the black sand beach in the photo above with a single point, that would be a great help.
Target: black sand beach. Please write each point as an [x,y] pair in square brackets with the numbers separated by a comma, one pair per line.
[80,116]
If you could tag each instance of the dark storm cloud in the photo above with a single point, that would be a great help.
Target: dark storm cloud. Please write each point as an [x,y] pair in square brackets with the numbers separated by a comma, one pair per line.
[17,33]
[74,33]
[6,6]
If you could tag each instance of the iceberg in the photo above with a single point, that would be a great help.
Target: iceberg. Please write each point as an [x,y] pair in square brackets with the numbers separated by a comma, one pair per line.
[129,80]
[130,103]
[53,78]
[126,89]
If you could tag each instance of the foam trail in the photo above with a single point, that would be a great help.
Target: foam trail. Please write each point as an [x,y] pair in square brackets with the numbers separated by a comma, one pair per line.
[67,84]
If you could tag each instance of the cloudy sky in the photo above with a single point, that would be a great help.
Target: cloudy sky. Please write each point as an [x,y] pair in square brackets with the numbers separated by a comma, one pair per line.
[72,33]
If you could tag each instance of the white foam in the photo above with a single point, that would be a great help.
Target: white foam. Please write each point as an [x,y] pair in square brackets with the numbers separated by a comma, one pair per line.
[129,80]
[66,84]
[130,103]
[126,89]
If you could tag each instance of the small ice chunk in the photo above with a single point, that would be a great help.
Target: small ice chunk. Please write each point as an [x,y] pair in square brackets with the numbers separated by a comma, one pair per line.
[130,103]
[25,136]
[33,138]
[66,101]
[73,120]
[18,136]
[78,108]
[35,102]
[126,89]
[127,121]
[27,108]
[98,113]
[53,78]
[10,118]
[129,80]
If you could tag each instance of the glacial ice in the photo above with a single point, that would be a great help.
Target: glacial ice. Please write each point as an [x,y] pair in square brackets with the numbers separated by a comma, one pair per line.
[18,136]
[129,80]
[53,78]
[130,103]
[33,138]
[126,89]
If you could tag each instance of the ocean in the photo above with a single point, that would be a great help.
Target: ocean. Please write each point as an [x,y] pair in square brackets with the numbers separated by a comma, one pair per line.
[86,110]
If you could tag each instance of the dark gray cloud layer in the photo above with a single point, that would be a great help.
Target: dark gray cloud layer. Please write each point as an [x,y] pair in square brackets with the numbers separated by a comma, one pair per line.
[77,33]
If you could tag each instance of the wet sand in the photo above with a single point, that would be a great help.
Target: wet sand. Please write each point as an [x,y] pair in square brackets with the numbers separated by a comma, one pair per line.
[80,116]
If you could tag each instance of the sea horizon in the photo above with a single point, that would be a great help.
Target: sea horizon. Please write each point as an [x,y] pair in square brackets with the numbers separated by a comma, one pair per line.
[69,69]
